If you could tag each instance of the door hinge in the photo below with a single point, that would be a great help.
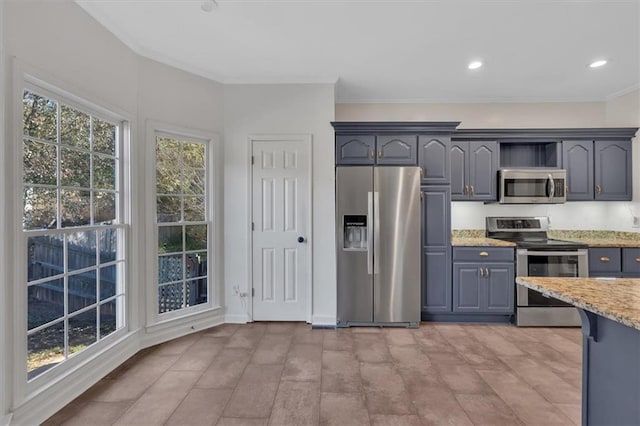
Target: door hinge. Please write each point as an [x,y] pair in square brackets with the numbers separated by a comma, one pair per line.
[253,292]
[253,226]
[253,160]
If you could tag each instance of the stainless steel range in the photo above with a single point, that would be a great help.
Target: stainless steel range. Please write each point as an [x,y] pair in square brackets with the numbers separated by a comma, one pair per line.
[539,256]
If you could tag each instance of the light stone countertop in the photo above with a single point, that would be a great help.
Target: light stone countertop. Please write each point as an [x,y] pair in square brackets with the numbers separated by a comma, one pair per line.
[480,242]
[599,238]
[617,299]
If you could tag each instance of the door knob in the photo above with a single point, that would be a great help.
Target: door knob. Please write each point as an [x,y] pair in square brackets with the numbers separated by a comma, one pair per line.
[301,239]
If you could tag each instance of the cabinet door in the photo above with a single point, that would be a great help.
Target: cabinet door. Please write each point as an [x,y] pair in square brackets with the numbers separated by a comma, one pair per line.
[500,286]
[436,216]
[613,170]
[483,170]
[396,150]
[467,288]
[433,157]
[459,170]
[355,149]
[436,281]
[577,159]
[631,262]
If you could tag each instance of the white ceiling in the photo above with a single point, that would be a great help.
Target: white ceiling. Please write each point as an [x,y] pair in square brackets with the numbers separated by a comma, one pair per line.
[394,51]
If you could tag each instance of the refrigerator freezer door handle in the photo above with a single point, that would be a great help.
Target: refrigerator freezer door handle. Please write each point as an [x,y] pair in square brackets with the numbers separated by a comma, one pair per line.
[369,233]
[376,232]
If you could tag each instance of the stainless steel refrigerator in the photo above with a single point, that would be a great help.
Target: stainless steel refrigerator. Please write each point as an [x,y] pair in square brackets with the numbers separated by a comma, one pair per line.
[379,253]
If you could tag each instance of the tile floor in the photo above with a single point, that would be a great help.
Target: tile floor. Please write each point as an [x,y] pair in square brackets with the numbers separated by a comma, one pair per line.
[288,374]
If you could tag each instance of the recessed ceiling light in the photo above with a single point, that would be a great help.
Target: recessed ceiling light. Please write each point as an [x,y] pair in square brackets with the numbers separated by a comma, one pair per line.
[208,5]
[474,65]
[598,63]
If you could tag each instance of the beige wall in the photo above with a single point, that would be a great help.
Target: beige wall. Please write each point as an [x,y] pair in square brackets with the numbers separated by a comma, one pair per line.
[503,115]
[622,111]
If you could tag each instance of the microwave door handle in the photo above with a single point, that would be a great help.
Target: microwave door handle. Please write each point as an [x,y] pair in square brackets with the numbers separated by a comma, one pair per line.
[551,185]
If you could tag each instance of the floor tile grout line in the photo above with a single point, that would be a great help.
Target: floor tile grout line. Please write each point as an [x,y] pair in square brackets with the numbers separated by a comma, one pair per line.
[275,395]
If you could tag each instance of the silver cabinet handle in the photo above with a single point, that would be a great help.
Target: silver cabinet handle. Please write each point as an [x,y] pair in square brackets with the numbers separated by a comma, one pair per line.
[472,190]
[486,270]
[379,153]
[598,189]
[481,270]
[372,154]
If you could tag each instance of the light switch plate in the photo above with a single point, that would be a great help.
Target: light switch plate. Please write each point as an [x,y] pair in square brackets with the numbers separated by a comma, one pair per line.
[636,221]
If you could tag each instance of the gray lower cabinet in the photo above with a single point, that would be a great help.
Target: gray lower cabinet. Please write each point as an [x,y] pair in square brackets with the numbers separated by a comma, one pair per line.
[612,170]
[474,170]
[597,170]
[614,262]
[436,279]
[433,157]
[483,287]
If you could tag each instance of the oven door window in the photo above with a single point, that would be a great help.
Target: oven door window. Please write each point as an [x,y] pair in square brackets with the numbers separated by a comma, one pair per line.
[550,266]
[525,187]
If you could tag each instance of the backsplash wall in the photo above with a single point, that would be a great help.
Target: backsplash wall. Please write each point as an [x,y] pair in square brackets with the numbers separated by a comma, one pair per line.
[592,215]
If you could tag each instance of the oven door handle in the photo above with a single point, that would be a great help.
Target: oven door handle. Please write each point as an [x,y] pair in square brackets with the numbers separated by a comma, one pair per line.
[553,253]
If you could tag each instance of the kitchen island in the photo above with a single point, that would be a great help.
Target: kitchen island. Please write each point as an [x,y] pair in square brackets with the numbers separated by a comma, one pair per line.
[610,313]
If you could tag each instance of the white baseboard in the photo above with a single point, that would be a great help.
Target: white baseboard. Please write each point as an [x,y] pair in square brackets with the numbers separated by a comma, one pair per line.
[46,403]
[323,321]
[237,319]
[168,330]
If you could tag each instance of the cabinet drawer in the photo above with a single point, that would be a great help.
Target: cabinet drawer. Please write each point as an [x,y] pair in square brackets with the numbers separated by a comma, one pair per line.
[631,261]
[604,260]
[483,254]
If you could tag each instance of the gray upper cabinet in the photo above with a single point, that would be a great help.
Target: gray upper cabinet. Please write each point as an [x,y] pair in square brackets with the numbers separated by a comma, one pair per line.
[577,159]
[433,157]
[396,150]
[474,169]
[436,220]
[613,170]
[355,149]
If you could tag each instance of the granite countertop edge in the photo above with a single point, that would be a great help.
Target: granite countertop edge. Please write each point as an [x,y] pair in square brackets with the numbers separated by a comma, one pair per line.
[479,242]
[633,322]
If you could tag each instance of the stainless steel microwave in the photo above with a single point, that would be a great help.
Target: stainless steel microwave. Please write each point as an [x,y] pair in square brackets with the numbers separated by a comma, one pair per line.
[532,186]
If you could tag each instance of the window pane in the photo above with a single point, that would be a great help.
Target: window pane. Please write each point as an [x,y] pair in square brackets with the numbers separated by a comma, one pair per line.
[82,290]
[75,208]
[168,153]
[193,155]
[196,238]
[170,268]
[45,256]
[45,349]
[107,282]
[104,136]
[81,248]
[170,239]
[194,182]
[197,292]
[168,209]
[168,181]
[40,163]
[39,208]
[82,331]
[194,209]
[170,297]
[104,172]
[104,206]
[39,116]
[74,127]
[196,264]
[74,168]
[45,303]
[109,317]
[108,240]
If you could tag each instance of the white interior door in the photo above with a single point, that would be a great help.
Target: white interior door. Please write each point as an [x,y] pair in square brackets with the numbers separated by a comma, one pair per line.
[281,225]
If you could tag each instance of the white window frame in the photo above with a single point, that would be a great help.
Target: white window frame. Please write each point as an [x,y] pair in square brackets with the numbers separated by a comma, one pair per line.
[213,217]
[25,78]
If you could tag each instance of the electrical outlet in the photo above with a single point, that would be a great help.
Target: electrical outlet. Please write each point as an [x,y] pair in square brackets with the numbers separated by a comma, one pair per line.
[636,221]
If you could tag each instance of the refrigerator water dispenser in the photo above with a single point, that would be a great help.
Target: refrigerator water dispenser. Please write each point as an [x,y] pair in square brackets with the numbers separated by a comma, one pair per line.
[355,232]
